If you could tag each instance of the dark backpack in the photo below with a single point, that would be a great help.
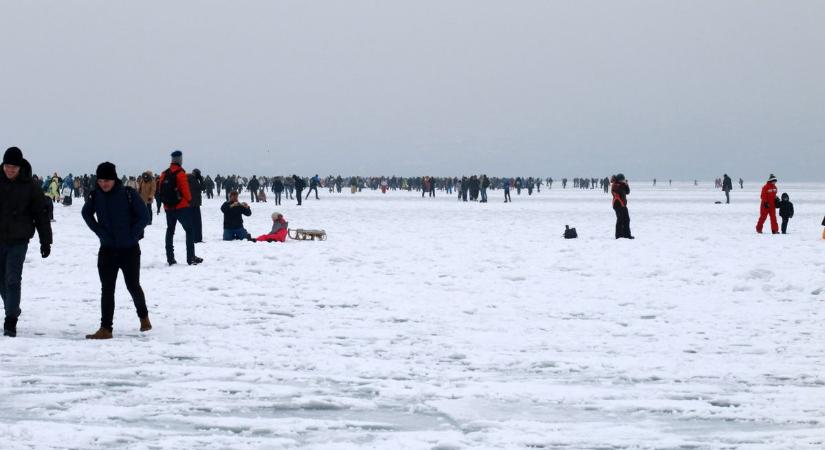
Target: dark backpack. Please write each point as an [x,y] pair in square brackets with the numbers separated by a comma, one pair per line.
[570,233]
[169,192]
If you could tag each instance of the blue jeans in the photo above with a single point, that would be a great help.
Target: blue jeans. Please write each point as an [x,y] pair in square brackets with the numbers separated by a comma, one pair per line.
[184,216]
[12,257]
[234,234]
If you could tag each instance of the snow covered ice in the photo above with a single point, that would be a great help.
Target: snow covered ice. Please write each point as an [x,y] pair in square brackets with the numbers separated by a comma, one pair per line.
[437,324]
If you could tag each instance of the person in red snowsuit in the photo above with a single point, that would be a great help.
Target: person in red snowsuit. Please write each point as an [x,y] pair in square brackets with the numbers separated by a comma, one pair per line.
[768,206]
[278,232]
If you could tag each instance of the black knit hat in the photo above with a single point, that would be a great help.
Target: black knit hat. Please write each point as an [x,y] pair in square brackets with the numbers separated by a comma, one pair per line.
[106,171]
[13,157]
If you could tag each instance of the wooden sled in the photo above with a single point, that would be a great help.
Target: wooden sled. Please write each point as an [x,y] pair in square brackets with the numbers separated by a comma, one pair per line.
[307,235]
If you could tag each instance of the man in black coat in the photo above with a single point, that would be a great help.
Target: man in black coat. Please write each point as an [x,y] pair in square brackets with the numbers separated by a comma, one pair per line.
[727,186]
[233,212]
[299,186]
[278,188]
[196,188]
[117,215]
[22,211]
[253,187]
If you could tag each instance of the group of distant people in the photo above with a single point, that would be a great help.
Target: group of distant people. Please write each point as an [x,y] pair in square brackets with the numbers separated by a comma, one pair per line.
[117,212]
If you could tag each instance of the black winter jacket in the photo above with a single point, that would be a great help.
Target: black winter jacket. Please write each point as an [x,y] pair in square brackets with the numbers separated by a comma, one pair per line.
[785,208]
[232,219]
[116,220]
[253,185]
[299,183]
[196,189]
[23,209]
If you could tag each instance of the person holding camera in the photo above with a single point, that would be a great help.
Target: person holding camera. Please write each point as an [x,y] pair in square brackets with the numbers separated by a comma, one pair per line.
[233,212]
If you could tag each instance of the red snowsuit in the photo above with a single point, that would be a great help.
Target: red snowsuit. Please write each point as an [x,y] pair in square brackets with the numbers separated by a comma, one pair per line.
[278,234]
[768,207]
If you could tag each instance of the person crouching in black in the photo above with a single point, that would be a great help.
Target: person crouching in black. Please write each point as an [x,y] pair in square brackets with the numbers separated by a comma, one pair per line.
[619,188]
[117,215]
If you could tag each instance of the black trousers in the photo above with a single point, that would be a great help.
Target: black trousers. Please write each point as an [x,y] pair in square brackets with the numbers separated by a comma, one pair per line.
[109,262]
[197,223]
[310,192]
[622,222]
[253,195]
[298,194]
[785,225]
[277,197]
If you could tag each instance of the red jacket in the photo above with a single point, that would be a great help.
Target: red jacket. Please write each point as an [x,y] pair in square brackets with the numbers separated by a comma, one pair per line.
[183,186]
[769,195]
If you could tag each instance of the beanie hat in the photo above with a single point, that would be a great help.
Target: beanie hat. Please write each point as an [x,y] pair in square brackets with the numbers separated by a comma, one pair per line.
[276,214]
[772,178]
[106,171]
[619,177]
[13,157]
[177,157]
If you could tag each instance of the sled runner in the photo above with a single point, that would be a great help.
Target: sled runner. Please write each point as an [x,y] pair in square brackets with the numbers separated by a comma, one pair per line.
[307,235]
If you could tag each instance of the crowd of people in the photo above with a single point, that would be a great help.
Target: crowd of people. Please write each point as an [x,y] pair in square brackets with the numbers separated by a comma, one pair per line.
[118,209]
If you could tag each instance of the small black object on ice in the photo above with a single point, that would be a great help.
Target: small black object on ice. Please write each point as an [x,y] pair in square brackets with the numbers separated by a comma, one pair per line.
[570,233]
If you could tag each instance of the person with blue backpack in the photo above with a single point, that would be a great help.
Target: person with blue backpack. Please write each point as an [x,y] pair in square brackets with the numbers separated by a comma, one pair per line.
[118,216]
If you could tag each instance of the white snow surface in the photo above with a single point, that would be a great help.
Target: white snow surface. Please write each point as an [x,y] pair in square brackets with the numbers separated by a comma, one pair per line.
[437,324]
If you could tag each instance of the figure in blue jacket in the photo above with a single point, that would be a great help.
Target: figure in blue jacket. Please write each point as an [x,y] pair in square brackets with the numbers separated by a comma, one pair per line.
[117,215]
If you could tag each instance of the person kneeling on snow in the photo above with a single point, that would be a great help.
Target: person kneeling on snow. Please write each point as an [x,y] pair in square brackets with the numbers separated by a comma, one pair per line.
[279,229]
[233,213]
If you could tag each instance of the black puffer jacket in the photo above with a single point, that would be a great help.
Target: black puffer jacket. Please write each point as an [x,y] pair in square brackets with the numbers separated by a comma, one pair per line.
[117,217]
[22,209]
[196,188]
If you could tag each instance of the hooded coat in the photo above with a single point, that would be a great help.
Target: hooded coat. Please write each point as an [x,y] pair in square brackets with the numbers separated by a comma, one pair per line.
[23,209]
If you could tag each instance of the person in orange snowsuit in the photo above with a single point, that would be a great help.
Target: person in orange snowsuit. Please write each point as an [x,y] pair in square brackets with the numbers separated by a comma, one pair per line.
[768,206]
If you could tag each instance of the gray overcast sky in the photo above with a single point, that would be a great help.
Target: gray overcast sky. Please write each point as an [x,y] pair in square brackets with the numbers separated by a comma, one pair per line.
[677,89]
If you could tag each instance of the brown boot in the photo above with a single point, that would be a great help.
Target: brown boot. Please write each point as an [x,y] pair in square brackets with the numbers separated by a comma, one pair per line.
[145,325]
[102,333]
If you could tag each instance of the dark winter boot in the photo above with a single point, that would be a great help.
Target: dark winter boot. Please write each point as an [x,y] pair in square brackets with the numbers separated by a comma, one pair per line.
[145,325]
[10,327]
[102,333]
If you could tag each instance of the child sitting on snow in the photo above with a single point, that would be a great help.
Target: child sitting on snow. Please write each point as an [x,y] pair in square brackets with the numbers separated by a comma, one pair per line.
[785,211]
[279,229]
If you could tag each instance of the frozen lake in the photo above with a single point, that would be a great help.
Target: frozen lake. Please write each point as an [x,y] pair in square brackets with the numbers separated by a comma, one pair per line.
[436,324]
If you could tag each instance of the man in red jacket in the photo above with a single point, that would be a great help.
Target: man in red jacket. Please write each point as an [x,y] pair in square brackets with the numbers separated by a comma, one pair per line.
[768,206]
[175,195]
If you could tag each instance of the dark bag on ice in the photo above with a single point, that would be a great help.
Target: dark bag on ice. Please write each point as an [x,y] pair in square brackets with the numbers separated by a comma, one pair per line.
[570,233]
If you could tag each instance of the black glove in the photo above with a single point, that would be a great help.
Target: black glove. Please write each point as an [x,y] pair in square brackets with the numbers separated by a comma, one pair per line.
[45,250]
